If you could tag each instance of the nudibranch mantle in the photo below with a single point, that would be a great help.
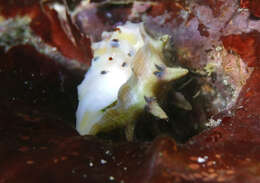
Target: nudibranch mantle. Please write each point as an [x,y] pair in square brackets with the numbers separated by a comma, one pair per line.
[127,76]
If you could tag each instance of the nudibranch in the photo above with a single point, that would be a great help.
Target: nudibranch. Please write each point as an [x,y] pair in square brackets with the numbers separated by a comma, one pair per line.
[128,74]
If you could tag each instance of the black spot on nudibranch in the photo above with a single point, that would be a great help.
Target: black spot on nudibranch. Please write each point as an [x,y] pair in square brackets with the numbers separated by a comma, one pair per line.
[114,43]
[159,67]
[124,64]
[103,72]
[159,72]
[131,53]
[149,100]
[95,59]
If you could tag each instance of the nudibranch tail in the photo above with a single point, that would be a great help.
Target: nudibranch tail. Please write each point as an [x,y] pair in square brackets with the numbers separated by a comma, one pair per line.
[116,91]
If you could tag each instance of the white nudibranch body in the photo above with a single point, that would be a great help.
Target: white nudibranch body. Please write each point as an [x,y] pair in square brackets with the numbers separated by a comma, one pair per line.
[122,81]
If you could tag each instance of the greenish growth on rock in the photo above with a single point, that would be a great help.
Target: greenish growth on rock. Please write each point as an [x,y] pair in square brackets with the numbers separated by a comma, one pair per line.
[15,32]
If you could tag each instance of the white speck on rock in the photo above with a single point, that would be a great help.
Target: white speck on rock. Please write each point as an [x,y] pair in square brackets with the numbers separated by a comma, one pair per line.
[219,48]
[213,123]
[202,159]
[102,161]
[111,178]
[91,164]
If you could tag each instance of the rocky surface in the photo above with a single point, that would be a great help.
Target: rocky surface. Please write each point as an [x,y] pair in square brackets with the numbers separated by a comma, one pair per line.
[38,101]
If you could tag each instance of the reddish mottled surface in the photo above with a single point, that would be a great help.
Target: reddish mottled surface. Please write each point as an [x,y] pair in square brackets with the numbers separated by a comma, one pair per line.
[203,30]
[80,49]
[38,141]
[19,7]
[215,5]
[241,44]
[47,26]
[39,144]
[167,6]
[93,20]
[253,6]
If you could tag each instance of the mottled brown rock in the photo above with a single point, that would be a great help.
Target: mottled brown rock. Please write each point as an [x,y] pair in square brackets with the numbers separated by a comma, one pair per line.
[38,101]
[246,45]
[47,26]
[253,6]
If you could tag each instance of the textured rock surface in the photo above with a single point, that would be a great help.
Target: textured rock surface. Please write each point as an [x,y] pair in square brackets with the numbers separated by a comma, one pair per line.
[38,100]
[45,24]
